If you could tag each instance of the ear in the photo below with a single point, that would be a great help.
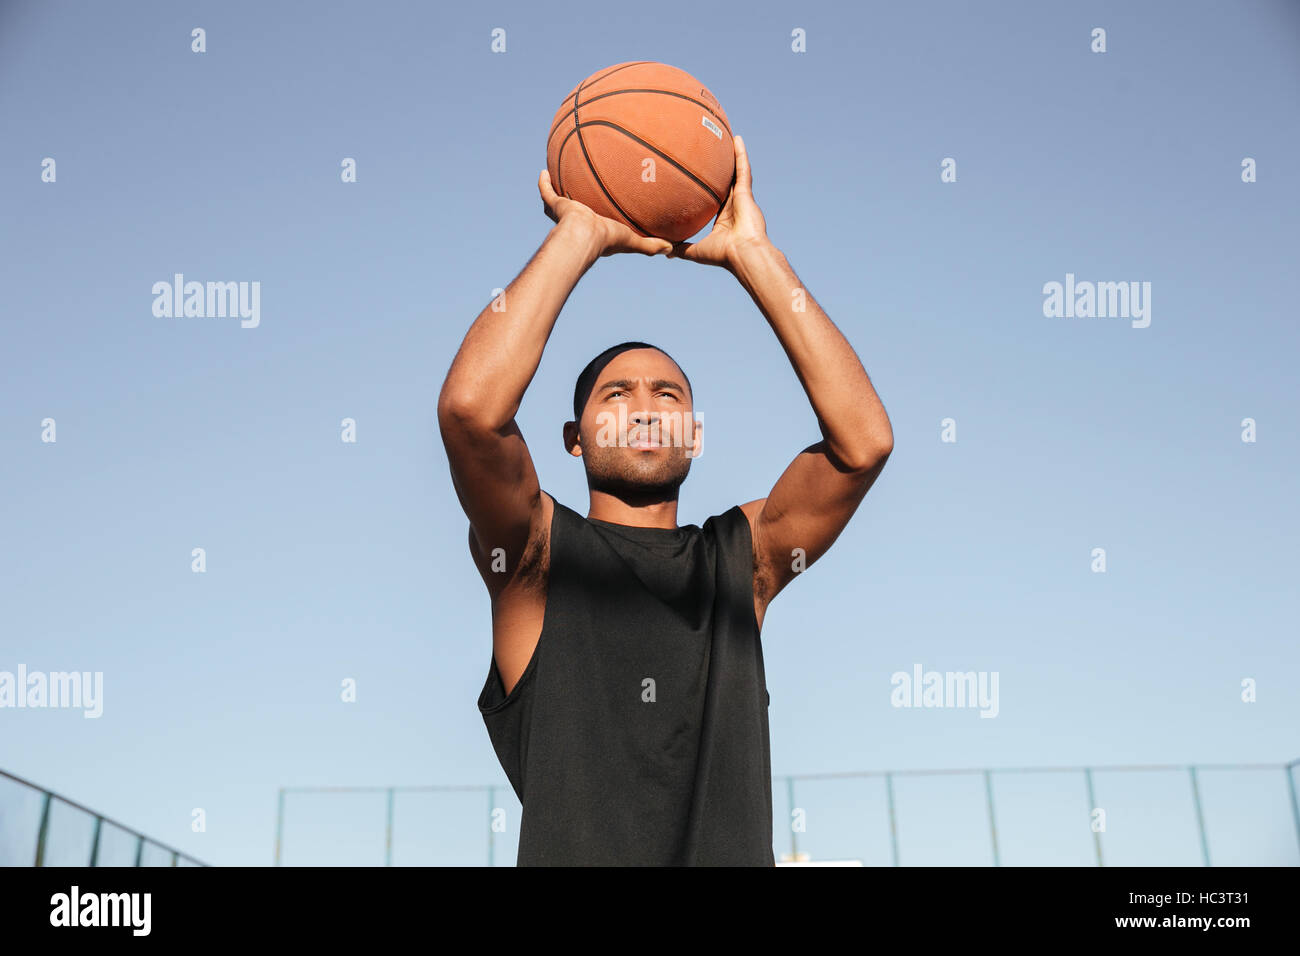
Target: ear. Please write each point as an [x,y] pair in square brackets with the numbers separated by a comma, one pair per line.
[696,447]
[572,441]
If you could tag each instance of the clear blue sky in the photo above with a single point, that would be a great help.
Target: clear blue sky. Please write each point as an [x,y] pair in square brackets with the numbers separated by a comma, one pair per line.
[328,561]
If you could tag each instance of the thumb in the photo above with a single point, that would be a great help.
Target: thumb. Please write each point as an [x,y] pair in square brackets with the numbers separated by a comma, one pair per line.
[545,188]
[653,247]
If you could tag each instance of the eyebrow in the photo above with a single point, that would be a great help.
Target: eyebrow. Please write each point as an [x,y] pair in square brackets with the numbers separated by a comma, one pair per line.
[657,384]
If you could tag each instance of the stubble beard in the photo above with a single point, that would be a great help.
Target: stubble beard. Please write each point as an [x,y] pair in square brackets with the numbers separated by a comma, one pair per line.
[637,477]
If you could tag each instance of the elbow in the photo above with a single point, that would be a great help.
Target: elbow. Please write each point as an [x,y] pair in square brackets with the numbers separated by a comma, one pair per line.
[459,410]
[452,407]
[870,456]
[469,414]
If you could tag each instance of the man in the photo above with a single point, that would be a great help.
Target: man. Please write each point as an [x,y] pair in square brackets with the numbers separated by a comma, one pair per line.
[626,698]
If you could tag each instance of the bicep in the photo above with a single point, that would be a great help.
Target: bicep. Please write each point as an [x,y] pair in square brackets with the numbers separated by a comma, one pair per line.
[496,483]
[808,507]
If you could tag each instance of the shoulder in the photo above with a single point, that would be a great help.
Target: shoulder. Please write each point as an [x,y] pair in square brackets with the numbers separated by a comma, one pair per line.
[739,523]
[745,515]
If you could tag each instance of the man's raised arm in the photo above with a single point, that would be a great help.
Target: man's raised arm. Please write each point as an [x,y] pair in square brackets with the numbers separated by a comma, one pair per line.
[490,466]
[818,493]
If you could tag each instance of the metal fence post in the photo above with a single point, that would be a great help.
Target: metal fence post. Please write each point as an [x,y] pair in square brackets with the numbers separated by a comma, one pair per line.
[388,832]
[492,841]
[1295,806]
[794,843]
[94,843]
[43,831]
[993,826]
[1092,805]
[279,825]
[893,822]
[1200,817]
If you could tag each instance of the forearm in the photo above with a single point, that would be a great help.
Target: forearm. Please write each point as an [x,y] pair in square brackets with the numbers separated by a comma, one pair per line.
[852,419]
[503,348]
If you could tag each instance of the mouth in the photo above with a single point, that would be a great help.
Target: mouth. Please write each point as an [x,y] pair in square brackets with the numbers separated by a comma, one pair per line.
[642,440]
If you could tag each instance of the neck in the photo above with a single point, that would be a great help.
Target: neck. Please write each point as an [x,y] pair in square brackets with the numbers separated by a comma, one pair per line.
[652,510]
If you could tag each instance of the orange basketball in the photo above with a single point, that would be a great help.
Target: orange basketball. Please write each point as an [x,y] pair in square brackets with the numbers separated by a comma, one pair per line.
[645,144]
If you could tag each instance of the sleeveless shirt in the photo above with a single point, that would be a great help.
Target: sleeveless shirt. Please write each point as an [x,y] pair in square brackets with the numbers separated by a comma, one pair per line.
[638,733]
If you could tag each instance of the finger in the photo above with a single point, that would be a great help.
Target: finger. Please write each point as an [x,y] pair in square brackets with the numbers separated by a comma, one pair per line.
[545,188]
[744,178]
[680,250]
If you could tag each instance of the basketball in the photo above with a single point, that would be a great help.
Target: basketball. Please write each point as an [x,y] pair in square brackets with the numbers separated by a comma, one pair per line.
[645,144]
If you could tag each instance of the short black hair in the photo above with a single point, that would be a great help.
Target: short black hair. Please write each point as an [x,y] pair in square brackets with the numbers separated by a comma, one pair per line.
[587,380]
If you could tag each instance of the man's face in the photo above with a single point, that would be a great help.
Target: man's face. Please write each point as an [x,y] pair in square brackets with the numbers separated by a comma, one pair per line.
[637,434]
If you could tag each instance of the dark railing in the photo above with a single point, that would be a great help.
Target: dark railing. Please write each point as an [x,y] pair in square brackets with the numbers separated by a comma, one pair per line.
[41,828]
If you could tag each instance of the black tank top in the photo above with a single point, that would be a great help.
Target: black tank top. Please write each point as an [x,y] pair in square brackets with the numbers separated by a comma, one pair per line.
[638,734]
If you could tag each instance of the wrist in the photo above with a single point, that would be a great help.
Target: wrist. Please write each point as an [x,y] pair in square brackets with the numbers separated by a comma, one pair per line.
[582,235]
[753,254]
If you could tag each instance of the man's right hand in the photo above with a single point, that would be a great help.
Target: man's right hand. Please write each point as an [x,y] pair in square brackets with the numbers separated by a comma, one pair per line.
[610,235]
